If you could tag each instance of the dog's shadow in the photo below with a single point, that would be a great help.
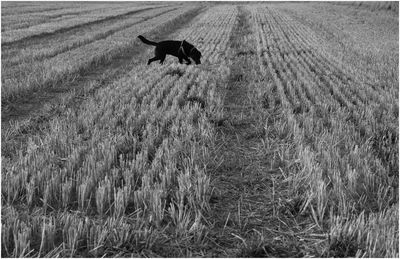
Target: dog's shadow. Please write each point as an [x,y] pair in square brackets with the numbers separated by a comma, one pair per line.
[175,72]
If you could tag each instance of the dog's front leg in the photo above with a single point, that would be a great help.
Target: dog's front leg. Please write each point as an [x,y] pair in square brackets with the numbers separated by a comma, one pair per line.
[151,60]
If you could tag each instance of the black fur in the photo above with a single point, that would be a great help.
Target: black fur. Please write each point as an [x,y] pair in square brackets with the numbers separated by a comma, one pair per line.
[183,50]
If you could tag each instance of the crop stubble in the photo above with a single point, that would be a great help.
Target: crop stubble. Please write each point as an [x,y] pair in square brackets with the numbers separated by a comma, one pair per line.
[131,171]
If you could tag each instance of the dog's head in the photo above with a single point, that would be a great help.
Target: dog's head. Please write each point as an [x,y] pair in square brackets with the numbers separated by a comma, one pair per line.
[195,54]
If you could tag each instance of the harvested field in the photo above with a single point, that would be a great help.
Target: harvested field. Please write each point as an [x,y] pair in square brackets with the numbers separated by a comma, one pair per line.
[282,143]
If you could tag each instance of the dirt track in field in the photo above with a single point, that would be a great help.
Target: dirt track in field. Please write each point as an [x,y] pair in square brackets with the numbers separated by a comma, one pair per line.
[248,184]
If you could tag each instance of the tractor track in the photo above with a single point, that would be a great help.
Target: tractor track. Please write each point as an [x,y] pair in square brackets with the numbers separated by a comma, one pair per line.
[249,187]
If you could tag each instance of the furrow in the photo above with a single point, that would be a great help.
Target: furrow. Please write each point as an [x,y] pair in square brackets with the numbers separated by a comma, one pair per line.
[10,39]
[21,21]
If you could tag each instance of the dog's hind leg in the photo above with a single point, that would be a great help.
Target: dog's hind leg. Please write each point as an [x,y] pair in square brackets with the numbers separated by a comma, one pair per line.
[162,58]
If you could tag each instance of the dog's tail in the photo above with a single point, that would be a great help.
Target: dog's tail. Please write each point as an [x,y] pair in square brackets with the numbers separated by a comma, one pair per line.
[146,41]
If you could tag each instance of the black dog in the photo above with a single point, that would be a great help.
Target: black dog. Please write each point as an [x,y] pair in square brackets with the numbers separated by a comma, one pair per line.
[180,49]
